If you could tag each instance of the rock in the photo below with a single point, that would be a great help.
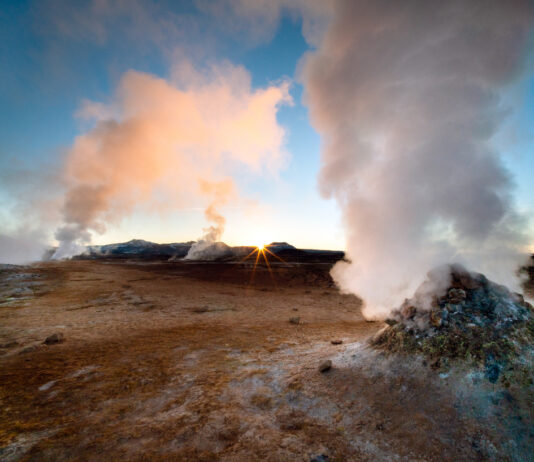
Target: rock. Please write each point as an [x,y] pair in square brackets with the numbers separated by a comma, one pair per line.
[456,296]
[463,279]
[336,342]
[200,309]
[435,318]
[54,338]
[295,320]
[408,311]
[325,366]
[320,458]
[492,372]
[379,336]
[473,320]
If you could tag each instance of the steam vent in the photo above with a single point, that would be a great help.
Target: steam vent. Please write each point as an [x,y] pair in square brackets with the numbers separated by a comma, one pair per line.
[458,316]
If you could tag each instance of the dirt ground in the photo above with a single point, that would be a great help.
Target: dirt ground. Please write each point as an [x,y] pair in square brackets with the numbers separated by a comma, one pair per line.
[199,361]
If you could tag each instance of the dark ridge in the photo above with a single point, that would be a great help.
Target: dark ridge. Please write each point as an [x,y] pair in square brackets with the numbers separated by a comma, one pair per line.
[138,249]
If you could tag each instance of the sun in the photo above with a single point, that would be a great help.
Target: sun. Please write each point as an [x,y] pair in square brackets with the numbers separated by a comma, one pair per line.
[259,253]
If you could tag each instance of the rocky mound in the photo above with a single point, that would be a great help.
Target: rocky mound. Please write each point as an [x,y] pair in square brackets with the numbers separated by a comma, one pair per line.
[459,315]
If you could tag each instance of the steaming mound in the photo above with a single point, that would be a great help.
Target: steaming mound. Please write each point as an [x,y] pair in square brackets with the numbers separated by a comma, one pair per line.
[458,315]
[208,251]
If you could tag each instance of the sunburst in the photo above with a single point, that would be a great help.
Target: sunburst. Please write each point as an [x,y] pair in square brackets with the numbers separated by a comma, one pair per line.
[262,251]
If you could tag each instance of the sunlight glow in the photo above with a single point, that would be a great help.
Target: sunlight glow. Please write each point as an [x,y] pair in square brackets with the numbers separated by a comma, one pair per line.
[261,252]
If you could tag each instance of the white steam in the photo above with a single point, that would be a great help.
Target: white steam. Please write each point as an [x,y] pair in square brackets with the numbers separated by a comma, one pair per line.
[24,247]
[158,139]
[209,247]
[407,98]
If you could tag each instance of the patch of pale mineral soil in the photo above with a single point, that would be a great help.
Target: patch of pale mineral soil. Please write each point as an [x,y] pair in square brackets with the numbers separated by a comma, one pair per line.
[20,445]
[180,361]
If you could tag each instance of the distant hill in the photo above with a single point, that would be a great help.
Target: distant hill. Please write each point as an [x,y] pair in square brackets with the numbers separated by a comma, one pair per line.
[139,249]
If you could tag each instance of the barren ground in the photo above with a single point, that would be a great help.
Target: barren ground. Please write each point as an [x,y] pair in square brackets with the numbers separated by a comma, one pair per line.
[192,361]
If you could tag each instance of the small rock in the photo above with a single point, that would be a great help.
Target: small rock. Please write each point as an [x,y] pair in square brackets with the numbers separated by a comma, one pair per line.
[295,320]
[457,296]
[408,311]
[200,309]
[435,363]
[492,372]
[336,342]
[320,458]
[325,366]
[54,338]
[295,309]
[435,318]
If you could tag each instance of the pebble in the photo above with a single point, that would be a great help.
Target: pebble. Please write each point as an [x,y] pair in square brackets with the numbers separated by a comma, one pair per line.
[325,366]
[54,338]
[320,458]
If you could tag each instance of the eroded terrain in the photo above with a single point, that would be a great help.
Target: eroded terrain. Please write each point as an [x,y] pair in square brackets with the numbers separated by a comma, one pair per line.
[199,361]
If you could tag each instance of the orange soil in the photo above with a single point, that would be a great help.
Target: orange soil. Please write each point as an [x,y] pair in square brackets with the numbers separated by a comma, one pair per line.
[190,361]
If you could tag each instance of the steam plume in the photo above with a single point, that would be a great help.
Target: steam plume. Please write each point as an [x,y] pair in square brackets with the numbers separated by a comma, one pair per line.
[25,247]
[209,246]
[157,139]
[407,97]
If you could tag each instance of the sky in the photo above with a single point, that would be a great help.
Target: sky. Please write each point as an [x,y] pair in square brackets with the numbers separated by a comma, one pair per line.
[56,56]
[53,58]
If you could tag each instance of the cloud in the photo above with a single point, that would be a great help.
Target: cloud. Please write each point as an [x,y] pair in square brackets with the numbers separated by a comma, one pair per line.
[258,20]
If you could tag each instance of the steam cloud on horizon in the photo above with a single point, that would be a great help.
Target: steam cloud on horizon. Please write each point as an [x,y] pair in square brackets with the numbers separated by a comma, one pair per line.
[209,246]
[161,143]
[406,97]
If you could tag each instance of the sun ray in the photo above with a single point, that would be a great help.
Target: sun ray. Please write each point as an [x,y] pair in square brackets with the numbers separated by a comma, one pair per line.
[254,267]
[274,255]
[269,267]
[261,251]
[250,254]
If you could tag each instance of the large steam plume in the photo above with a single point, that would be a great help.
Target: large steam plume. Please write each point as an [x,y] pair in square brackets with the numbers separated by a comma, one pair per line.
[157,140]
[407,98]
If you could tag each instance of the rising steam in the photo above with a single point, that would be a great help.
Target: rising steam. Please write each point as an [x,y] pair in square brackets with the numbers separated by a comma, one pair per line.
[407,98]
[209,247]
[157,140]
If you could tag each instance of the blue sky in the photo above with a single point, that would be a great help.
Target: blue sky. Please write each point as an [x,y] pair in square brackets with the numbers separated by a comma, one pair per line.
[50,62]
